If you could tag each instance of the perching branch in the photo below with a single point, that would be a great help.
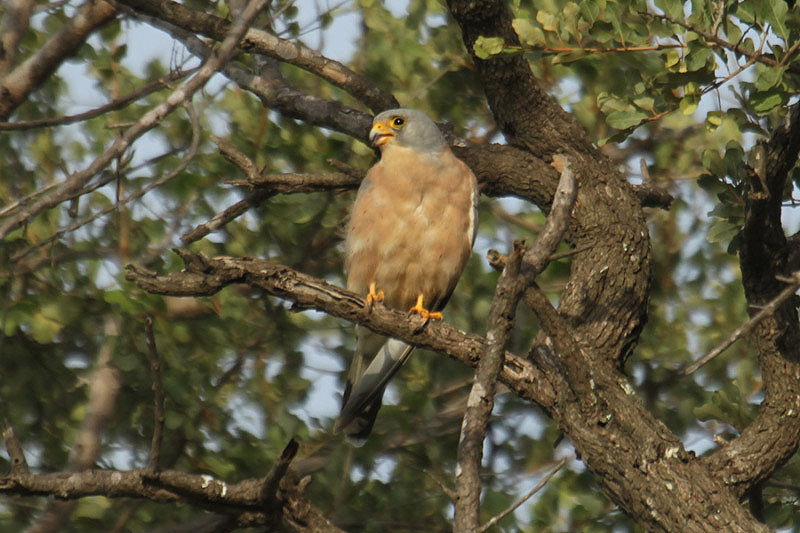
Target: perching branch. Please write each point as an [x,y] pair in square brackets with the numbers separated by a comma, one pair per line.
[203,276]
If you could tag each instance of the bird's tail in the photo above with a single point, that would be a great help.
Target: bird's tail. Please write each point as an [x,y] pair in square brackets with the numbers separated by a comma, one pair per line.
[364,391]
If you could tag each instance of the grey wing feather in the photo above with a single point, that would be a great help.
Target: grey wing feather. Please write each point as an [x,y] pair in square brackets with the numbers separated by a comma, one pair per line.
[366,383]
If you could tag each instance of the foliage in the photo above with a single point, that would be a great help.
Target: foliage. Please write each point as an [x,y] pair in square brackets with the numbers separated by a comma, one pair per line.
[690,88]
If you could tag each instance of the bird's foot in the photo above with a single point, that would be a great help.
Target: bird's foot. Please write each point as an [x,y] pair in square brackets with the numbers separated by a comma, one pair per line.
[372,296]
[420,310]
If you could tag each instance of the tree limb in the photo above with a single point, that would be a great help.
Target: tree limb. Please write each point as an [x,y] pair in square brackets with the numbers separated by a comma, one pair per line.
[240,500]
[24,79]
[203,276]
[519,273]
[16,16]
[261,42]
[764,256]
[74,183]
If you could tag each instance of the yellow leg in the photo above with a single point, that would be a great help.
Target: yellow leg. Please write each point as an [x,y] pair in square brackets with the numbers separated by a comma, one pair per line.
[373,296]
[420,310]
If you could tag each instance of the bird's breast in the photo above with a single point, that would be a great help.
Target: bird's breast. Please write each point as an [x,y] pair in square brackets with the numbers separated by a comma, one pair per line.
[409,229]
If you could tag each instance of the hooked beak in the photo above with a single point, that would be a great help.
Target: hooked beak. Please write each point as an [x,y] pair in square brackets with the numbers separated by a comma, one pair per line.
[380,134]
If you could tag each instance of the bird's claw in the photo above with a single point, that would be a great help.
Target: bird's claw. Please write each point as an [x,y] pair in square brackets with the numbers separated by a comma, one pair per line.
[420,310]
[372,296]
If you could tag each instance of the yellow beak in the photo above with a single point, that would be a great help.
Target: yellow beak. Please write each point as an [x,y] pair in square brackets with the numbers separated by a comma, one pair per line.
[380,134]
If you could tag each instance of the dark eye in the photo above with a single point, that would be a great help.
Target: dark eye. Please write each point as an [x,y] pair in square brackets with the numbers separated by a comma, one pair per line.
[398,122]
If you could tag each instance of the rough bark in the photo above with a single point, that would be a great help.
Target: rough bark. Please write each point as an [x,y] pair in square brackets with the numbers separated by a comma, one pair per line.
[242,502]
[639,463]
[774,435]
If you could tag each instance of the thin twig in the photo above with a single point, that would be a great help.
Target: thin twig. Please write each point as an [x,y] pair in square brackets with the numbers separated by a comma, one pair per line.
[190,154]
[158,397]
[119,103]
[254,199]
[451,495]
[270,483]
[747,327]
[19,465]
[148,121]
[513,507]
[761,58]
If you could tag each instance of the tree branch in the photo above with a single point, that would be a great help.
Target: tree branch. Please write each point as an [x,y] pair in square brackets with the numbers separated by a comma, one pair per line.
[19,466]
[74,183]
[261,42]
[764,257]
[118,103]
[203,276]
[519,273]
[16,17]
[158,396]
[481,396]
[23,80]
[240,500]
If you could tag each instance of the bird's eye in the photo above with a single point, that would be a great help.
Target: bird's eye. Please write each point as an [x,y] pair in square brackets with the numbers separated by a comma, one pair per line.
[398,122]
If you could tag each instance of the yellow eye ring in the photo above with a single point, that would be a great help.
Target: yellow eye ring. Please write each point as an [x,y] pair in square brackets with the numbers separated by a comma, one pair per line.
[398,122]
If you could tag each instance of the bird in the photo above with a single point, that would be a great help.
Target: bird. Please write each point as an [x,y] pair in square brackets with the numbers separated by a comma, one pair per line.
[407,242]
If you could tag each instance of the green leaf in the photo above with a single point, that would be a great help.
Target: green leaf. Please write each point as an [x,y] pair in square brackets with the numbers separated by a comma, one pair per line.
[713,120]
[569,18]
[722,231]
[93,507]
[672,59]
[486,47]
[688,104]
[769,77]
[548,21]
[766,101]
[671,8]
[528,33]
[714,163]
[591,10]
[775,13]
[623,120]
[645,102]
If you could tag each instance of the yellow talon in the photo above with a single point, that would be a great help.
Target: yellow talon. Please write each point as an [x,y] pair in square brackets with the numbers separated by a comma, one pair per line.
[373,296]
[420,310]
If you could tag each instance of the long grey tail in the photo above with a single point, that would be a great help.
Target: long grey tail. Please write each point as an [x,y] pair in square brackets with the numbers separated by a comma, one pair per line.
[364,391]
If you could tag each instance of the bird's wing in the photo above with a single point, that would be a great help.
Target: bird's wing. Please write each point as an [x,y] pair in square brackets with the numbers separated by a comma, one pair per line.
[367,380]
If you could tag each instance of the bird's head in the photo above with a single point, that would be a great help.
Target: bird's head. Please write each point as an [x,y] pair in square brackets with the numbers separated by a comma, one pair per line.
[408,128]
